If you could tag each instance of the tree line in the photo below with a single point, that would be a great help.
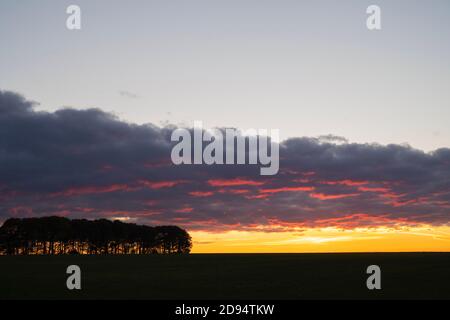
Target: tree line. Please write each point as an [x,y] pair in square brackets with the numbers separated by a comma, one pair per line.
[59,235]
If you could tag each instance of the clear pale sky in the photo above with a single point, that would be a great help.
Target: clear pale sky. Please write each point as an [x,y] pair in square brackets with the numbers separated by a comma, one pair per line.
[306,67]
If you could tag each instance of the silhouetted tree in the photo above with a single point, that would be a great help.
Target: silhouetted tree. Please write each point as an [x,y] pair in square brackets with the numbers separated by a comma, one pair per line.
[58,235]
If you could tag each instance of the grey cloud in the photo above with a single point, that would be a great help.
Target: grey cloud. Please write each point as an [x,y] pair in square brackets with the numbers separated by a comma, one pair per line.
[89,163]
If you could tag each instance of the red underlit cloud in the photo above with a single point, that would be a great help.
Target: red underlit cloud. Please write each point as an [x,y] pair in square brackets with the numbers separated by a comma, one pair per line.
[286,189]
[323,196]
[184,210]
[160,184]
[258,196]
[233,182]
[355,220]
[234,191]
[201,194]
[346,182]
[373,189]
[92,190]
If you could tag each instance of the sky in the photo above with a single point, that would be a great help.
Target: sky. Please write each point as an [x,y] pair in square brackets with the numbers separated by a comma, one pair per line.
[138,69]
[306,67]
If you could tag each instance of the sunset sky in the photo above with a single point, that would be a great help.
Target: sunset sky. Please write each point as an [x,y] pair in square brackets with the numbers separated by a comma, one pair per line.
[86,118]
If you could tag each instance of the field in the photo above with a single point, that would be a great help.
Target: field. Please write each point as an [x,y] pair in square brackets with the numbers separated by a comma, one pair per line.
[228,276]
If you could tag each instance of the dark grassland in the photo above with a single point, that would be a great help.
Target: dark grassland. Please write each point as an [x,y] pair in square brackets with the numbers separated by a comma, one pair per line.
[228,276]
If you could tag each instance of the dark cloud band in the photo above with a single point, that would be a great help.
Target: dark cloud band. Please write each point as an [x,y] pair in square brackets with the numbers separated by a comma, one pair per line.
[88,163]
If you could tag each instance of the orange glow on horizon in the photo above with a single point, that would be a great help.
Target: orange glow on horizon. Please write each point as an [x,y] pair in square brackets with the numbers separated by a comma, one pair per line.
[330,239]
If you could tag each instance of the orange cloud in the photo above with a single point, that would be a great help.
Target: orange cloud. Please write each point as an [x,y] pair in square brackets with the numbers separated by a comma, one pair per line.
[355,220]
[233,182]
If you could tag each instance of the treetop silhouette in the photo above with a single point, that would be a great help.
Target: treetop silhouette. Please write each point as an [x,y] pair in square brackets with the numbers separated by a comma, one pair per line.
[59,235]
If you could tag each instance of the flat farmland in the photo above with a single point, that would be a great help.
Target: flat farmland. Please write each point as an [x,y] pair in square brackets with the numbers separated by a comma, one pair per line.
[228,276]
